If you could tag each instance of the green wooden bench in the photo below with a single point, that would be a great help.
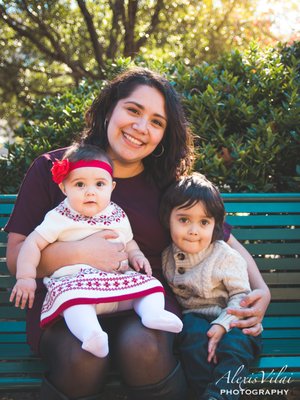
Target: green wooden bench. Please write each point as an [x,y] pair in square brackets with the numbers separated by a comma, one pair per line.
[269,227]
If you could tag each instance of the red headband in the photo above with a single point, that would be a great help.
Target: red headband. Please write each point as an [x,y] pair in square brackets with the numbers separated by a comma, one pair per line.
[61,168]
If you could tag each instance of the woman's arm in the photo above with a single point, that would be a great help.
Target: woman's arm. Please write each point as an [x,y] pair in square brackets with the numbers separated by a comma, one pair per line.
[94,250]
[255,303]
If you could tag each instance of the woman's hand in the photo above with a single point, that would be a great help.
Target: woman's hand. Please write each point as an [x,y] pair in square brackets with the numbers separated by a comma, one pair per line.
[95,250]
[254,306]
[98,252]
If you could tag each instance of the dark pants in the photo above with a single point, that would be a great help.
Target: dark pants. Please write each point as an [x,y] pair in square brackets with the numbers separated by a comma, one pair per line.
[235,352]
[144,357]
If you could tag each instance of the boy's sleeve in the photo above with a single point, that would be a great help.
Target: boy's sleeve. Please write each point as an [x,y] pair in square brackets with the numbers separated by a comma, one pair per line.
[237,284]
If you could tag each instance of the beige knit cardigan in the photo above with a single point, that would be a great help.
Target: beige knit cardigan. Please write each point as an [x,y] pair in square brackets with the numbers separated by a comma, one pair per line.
[207,282]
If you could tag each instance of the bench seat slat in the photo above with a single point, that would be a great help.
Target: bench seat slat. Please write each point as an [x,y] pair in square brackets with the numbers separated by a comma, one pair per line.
[16,351]
[281,333]
[11,312]
[19,383]
[12,326]
[272,347]
[3,235]
[281,322]
[13,337]
[283,308]
[277,362]
[15,367]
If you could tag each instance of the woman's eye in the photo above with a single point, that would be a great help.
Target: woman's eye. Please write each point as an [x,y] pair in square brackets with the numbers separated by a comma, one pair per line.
[158,123]
[133,110]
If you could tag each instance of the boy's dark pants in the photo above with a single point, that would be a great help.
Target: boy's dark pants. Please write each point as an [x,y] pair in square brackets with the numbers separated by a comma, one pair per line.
[235,352]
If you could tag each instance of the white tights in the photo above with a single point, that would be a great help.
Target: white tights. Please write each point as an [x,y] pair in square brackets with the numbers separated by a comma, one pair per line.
[83,322]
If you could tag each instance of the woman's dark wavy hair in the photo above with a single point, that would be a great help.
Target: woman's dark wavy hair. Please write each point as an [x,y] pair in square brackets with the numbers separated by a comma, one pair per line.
[190,190]
[177,141]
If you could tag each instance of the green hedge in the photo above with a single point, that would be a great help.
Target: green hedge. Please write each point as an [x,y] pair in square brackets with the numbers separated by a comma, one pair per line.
[244,111]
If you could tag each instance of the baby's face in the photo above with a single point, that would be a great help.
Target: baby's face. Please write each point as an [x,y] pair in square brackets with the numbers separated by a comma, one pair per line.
[88,190]
[191,229]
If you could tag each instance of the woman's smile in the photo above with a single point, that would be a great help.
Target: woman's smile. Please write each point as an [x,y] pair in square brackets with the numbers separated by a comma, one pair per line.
[132,139]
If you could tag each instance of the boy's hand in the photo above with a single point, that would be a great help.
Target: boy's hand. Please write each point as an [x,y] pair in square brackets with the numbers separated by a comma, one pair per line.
[139,261]
[23,291]
[215,334]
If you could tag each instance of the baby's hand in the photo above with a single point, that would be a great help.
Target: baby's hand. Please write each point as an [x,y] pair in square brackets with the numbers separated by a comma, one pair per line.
[215,334]
[139,261]
[23,291]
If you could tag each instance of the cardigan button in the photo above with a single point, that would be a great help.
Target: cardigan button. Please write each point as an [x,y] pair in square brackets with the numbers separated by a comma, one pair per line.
[181,256]
[181,287]
[181,270]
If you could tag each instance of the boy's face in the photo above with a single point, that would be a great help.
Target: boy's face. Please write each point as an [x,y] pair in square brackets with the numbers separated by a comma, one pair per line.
[191,229]
[88,190]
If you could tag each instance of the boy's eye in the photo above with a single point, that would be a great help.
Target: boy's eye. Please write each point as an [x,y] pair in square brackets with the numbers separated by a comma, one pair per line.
[204,222]
[79,184]
[183,220]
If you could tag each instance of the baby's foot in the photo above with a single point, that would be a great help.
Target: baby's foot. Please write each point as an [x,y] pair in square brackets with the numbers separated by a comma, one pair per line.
[97,344]
[164,321]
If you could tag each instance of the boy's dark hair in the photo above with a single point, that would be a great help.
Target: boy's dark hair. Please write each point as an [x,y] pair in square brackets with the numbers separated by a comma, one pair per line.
[190,190]
[86,152]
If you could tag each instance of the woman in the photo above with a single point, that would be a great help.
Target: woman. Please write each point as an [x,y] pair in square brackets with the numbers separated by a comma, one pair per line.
[139,121]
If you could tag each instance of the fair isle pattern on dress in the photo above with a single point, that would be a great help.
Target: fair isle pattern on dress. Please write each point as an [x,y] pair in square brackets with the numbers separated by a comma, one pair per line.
[93,286]
[115,215]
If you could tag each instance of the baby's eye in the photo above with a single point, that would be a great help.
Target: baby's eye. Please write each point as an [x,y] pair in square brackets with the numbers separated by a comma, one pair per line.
[100,184]
[79,184]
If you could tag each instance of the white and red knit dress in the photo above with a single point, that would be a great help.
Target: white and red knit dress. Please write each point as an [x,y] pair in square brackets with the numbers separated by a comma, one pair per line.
[81,283]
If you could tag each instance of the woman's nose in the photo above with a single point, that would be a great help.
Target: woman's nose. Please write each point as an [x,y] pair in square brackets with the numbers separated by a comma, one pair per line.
[141,125]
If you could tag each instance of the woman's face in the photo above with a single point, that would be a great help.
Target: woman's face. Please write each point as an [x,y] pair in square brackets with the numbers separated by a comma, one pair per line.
[136,126]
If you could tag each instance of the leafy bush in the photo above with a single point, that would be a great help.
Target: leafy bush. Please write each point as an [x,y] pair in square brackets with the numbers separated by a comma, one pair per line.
[244,111]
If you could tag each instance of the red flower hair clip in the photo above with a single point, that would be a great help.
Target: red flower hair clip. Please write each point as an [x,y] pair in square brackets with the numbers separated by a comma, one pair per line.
[60,170]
